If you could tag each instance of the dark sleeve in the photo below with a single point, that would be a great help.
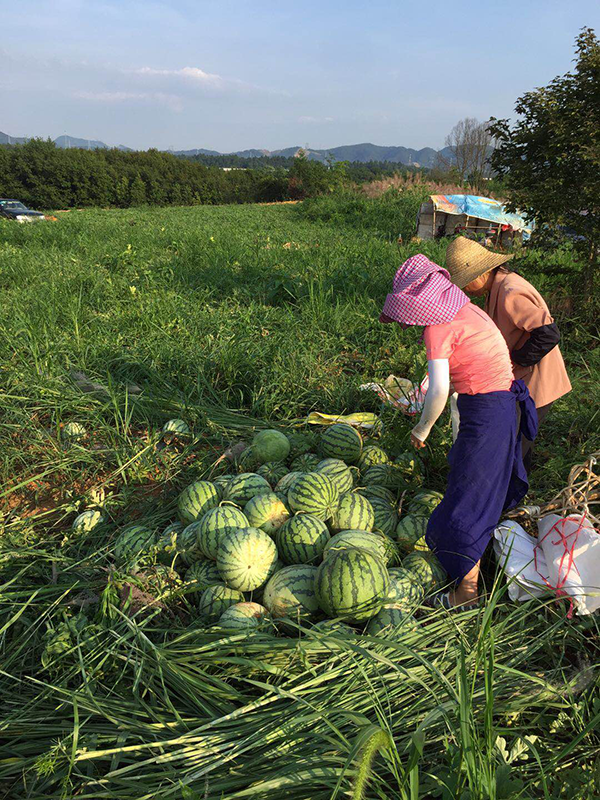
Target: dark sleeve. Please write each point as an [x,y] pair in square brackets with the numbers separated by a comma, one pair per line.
[541,341]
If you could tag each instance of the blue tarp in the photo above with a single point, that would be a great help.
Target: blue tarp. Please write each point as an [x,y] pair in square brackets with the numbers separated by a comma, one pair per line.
[482,208]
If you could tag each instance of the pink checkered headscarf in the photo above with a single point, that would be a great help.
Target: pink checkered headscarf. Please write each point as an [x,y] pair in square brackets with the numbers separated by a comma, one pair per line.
[422,295]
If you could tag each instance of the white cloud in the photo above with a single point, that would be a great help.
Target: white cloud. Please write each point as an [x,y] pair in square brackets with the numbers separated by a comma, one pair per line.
[314,120]
[194,74]
[171,101]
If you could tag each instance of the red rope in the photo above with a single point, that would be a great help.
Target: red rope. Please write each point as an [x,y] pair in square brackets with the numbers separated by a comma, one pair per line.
[568,549]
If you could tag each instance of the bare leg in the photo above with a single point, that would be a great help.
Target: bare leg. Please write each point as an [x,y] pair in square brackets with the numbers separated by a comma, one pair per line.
[466,591]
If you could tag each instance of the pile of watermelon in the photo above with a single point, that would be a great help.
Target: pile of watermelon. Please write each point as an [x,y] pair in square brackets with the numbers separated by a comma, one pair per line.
[308,530]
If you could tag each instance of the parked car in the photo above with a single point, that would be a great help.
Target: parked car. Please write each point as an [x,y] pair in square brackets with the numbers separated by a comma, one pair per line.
[14,209]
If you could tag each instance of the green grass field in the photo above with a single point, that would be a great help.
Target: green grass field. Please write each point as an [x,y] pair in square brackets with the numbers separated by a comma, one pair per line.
[270,312]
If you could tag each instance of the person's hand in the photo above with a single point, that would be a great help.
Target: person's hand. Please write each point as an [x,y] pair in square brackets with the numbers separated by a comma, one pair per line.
[416,443]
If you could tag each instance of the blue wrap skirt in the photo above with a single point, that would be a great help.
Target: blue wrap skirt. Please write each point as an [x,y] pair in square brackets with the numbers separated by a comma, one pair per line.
[486,476]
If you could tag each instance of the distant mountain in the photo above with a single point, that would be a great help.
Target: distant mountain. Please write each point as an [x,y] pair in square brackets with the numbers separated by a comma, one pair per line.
[66,142]
[6,139]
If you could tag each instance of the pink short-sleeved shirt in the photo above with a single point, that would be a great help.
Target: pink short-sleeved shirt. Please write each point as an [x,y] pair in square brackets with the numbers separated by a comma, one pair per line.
[476,351]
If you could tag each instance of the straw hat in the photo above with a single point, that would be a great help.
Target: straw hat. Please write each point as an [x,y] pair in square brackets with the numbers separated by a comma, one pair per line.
[467,260]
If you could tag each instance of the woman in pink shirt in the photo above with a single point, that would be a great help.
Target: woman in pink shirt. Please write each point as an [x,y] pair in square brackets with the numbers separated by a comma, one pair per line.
[465,349]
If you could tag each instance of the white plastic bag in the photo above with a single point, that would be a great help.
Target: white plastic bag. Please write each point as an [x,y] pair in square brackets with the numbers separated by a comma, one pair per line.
[515,552]
[571,549]
[400,393]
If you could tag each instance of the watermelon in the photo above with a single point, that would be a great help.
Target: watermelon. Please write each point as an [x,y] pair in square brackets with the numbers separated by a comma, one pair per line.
[301,539]
[73,431]
[313,493]
[270,445]
[380,492]
[337,472]
[385,517]
[341,441]
[307,462]
[176,427]
[245,557]
[87,521]
[134,544]
[387,475]
[272,471]
[301,443]
[353,512]
[352,584]
[201,575]
[290,592]
[424,503]
[423,568]
[216,524]
[409,530]
[334,627]
[406,589]
[257,594]
[247,461]
[267,512]
[363,540]
[246,486]
[215,600]
[167,544]
[390,621]
[188,545]
[284,499]
[195,500]
[410,464]
[220,483]
[372,455]
[243,616]
[392,551]
[285,484]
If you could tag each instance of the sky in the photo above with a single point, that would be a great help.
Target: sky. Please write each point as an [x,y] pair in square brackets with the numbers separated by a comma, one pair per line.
[237,74]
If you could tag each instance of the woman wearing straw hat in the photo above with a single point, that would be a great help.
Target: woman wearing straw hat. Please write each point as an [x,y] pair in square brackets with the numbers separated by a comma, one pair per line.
[524,320]
[486,467]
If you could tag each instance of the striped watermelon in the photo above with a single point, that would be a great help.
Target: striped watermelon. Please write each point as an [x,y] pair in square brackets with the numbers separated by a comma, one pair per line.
[285,484]
[245,557]
[353,512]
[220,483]
[387,475]
[267,512]
[380,492]
[409,530]
[421,567]
[337,472]
[290,592]
[372,455]
[196,500]
[424,503]
[334,627]
[245,486]
[301,443]
[392,551]
[307,462]
[188,543]
[341,441]
[247,461]
[216,524]
[73,431]
[391,621]
[363,540]
[201,575]
[385,517]
[167,544]
[410,464]
[270,445]
[313,493]
[87,521]
[242,617]
[256,595]
[134,545]
[215,600]
[272,471]
[352,584]
[301,539]
[406,589]
[177,428]
[284,499]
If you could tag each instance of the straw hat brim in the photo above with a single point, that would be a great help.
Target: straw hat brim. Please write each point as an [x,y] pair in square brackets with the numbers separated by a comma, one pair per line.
[467,260]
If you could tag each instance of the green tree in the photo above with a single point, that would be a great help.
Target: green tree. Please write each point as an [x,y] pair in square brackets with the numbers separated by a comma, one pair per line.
[550,158]
[137,192]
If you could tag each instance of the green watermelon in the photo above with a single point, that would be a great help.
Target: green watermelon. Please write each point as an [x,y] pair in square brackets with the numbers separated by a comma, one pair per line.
[420,566]
[176,427]
[284,499]
[301,539]
[385,517]
[245,486]
[270,445]
[409,530]
[73,431]
[363,540]
[334,627]
[301,443]
[392,551]
[372,455]
[215,600]
[87,521]
[290,592]
[307,462]
[167,544]
[243,616]
[134,545]
[391,621]
[267,512]
[245,558]
[341,441]
[424,503]
[220,483]
[410,464]
[380,492]
[387,475]
[188,544]
[337,472]
[313,493]
[285,484]
[216,524]
[352,584]
[272,471]
[406,589]
[353,512]
[247,461]
[200,576]
[195,500]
